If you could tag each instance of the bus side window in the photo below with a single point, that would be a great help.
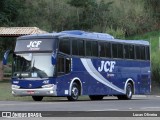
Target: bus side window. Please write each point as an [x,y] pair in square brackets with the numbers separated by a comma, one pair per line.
[120,50]
[63,65]
[147,53]
[131,52]
[102,49]
[126,51]
[67,65]
[143,53]
[81,47]
[92,48]
[74,47]
[138,53]
[78,47]
[114,51]
[108,49]
[60,66]
[88,48]
[64,46]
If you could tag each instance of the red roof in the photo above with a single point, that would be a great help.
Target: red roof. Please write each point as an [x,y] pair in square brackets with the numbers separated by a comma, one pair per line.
[19,31]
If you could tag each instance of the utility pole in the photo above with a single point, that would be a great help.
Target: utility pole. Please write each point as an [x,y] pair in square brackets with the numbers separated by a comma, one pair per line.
[159,43]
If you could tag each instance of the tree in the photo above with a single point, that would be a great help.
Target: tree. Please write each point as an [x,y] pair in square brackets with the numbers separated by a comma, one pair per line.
[8,12]
[91,13]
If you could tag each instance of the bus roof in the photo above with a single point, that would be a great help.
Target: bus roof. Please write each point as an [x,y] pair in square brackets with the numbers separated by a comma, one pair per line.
[84,35]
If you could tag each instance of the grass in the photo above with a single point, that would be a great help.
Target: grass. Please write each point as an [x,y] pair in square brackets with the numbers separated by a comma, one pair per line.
[6,94]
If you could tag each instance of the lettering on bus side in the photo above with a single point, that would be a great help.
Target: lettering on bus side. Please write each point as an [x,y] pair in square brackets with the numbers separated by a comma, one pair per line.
[107,66]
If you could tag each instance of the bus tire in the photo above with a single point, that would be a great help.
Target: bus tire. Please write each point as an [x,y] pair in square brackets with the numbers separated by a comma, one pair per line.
[96,97]
[74,92]
[129,93]
[37,98]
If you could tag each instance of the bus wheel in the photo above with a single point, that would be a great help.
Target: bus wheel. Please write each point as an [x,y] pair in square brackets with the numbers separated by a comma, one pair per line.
[74,92]
[96,97]
[129,93]
[37,98]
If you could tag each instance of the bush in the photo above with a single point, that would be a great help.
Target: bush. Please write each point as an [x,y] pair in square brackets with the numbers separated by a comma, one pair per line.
[117,33]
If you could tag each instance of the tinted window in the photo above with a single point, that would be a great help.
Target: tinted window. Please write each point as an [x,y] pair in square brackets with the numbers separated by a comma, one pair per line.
[114,50]
[91,48]
[120,50]
[105,49]
[78,47]
[147,53]
[74,47]
[138,53]
[108,49]
[129,51]
[63,65]
[81,47]
[88,48]
[94,48]
[143,52]
[102,49]
[64,46]
[126,51]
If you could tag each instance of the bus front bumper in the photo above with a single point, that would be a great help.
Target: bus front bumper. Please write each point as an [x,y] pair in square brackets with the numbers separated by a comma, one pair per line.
[51,91]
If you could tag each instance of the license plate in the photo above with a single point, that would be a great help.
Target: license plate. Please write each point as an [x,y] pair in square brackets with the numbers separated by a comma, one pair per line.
[30,92]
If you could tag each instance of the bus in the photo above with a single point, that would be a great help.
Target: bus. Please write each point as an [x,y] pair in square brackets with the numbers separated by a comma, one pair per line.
[74,63]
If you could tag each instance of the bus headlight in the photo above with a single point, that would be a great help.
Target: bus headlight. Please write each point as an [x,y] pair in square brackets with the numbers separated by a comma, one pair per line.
[15,86]
[48,86]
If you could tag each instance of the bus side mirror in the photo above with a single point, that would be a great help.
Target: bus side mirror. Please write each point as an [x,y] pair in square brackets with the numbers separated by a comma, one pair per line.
[54,58]
[5,57]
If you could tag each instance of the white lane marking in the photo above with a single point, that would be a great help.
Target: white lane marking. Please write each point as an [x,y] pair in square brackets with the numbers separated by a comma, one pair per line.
[150,108]
[104,110]
[141,96]
[40,103]
[157,96]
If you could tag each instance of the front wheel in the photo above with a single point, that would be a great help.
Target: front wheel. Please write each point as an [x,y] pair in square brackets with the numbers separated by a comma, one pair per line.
[74,92]
[37,98]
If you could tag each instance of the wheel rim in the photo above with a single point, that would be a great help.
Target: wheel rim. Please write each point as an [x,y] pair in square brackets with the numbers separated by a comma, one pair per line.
[129,91]
[75,92]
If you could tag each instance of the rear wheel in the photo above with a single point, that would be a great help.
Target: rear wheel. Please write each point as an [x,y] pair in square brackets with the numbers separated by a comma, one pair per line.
[37,98]
[96,97]
[74,92]
[129,93]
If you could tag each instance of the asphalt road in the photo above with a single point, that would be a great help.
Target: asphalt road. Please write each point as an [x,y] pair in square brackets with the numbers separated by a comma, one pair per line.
[145,103]
[84,107]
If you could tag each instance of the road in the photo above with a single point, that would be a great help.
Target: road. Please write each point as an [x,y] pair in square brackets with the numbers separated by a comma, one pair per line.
[84,107]
[145,103]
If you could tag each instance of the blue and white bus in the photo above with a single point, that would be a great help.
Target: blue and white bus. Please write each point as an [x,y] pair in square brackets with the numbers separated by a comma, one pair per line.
[74,63]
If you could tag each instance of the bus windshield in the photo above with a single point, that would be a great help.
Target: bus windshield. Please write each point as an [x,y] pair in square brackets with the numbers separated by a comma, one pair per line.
[33,65]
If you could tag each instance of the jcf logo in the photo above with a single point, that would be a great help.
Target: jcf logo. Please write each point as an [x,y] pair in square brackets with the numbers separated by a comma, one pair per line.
[107,66]
[34,45]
